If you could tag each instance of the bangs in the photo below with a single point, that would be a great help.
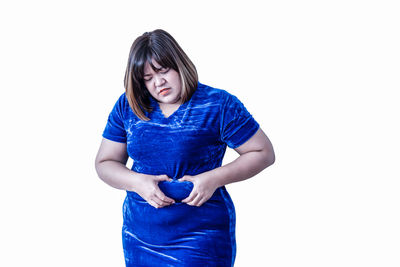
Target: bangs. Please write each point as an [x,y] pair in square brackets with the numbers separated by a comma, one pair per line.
[149,54]
[162,57]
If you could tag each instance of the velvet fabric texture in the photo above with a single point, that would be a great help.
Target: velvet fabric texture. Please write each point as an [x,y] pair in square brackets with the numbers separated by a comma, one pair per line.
[190,141]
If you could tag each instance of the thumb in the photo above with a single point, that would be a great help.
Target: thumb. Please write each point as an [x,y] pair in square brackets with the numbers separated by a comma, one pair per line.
[186,178]
[162,177]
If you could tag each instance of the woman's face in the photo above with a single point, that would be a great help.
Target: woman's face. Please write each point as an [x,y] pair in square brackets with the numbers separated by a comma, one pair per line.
[164,84]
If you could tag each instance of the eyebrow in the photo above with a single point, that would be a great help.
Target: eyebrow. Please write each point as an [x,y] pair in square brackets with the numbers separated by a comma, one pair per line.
[157,70]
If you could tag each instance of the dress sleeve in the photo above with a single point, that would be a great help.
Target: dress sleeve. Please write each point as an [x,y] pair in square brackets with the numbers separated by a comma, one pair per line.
[237,124]
[115,130]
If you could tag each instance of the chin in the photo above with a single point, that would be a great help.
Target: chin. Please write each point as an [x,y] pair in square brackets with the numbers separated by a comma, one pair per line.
[169,100]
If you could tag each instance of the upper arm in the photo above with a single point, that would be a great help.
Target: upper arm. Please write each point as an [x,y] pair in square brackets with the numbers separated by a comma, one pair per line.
[258,142]
[111,150]
[236,123]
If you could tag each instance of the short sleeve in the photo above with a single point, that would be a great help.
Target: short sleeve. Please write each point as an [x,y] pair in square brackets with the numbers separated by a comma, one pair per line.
[115,130]
[237,124]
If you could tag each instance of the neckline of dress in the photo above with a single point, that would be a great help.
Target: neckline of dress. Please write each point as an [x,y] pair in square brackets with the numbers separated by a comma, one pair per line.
[157,108]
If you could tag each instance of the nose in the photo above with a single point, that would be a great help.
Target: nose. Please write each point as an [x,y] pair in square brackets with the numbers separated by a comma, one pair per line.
[158,80]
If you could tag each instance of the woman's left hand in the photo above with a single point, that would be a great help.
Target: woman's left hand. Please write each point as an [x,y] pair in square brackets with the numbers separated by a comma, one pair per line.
[204,187]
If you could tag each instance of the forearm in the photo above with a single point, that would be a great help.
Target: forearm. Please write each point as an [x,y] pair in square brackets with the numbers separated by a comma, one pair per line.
[117,175]
[245,166]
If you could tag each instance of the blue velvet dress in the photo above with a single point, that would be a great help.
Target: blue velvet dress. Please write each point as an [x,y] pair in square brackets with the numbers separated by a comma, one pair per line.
[190,141]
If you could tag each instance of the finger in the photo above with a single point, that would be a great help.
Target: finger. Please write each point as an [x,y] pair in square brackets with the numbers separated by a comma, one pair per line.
[195,201]
[190,197]
[163,177]
[158,201]
[153,203]
[186,178]
[162,197]
[202,201]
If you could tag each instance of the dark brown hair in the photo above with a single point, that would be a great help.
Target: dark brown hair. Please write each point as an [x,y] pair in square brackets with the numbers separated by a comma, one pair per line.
[162,47]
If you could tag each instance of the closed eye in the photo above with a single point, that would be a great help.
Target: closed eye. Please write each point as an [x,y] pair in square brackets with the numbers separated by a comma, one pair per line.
[164,71]
[148,77]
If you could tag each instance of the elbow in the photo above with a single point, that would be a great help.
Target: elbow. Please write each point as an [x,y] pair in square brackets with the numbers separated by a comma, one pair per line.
[269,158]
[100,168]
[97,164]
[97,167]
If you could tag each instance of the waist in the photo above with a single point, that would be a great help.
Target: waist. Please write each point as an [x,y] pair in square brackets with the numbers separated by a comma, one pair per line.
[176,190]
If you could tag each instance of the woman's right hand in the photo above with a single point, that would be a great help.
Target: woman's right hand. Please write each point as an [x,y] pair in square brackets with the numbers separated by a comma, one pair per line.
[148,189]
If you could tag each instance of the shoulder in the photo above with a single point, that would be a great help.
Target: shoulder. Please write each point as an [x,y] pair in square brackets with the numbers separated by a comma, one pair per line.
[227,103]
[123,109]
[220,97]
[122,100]
[121,105]
[212,94]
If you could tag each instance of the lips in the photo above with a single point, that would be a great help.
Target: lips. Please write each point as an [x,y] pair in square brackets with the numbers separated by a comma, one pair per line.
[165,91]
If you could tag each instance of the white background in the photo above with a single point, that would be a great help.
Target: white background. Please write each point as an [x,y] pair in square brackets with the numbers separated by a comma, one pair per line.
[319,76]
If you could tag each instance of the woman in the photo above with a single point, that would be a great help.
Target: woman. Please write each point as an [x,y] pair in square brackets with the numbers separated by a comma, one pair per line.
[177,211]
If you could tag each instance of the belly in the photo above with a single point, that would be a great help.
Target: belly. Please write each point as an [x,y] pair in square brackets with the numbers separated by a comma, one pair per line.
[179,220]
